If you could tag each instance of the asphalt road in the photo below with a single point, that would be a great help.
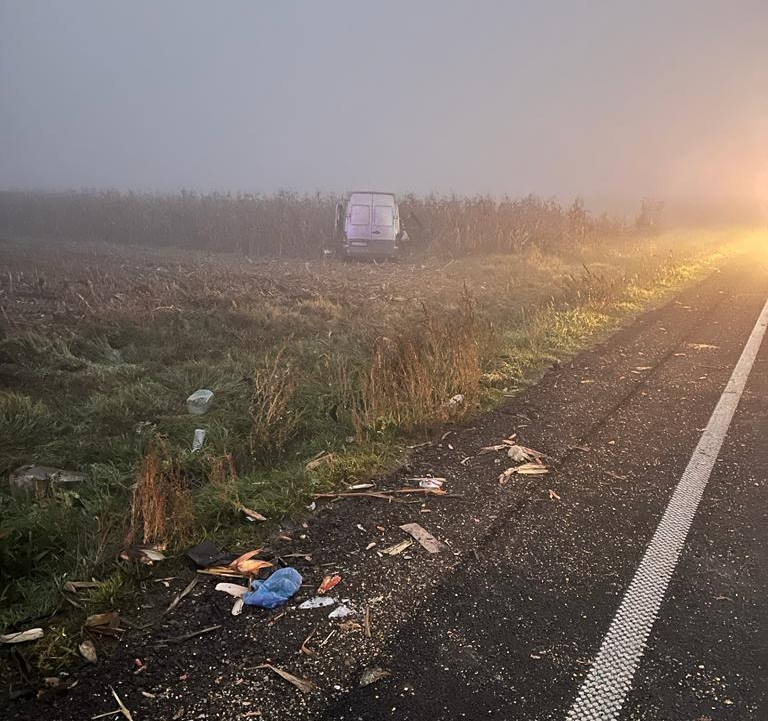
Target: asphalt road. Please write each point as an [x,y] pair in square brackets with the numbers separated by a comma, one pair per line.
[510,621]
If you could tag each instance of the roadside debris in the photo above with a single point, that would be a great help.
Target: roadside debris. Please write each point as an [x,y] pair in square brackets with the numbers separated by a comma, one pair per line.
[318,602]
[429,482]
[199,402]
[302,684]
[186,590]
[146,554]
[527,469]
[390,496]
[251,515]
[122,708]
[397,548]
[328,583]
[373,674]
[521,453]
[367,622]
[361,486]
[31,634]
[187,636]
[360,494]
[88,650]
[424,537]
[553,495]
[423,491]
[454,403]
[342,612]
[207,554]
[75,586]
[419,445]
[272,621]
[36,481]
[514,450]
[703,346]
[532,469]
[492,449]
[106,624]
[504,476]
[276,590]
[505,443]
[349,626]
[198,439]
[321,459]
[306,650]
[233,589]
[245,565]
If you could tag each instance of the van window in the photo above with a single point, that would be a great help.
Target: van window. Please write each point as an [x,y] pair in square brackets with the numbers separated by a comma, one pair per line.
[361,215]
[383,215]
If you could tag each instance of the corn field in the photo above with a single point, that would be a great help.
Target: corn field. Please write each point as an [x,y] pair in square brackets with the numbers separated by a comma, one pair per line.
[291,225]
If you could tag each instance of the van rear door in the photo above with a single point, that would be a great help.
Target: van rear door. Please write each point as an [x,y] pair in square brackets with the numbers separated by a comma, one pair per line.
[359,215]
[383,223]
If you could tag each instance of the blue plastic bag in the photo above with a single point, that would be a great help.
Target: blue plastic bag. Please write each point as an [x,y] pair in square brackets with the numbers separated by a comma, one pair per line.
[276,590]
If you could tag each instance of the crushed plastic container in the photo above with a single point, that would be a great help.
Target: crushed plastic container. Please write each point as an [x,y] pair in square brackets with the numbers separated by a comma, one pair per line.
[200,401]
[276,590]
[198,439]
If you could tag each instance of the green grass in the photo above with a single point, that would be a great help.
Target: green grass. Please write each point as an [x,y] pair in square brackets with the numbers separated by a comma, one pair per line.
[289,350]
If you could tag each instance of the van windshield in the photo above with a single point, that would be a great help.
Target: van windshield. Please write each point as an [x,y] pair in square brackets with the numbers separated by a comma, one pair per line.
[361,215]
[383,215]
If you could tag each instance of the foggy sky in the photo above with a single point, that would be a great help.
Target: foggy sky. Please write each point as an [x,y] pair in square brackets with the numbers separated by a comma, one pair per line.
[612,100]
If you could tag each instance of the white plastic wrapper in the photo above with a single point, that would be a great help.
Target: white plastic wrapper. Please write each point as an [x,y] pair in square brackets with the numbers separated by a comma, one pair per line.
[199,402]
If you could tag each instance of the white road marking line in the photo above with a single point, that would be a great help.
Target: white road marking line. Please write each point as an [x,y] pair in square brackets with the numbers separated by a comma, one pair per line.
[603,692]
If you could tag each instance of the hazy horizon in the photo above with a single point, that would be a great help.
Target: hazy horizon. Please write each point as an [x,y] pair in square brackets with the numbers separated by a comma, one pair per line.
[611,101]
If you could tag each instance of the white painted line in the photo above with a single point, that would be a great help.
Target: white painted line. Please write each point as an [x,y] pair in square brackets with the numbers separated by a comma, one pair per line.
[603,692]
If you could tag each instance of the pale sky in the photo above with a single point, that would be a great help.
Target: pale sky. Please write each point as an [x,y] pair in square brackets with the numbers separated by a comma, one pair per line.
[613,99]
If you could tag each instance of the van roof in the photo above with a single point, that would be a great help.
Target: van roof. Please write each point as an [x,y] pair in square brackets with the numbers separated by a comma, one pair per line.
[370,192]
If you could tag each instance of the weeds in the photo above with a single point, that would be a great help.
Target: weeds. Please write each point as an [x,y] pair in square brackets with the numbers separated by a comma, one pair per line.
[24,421]
[274,417]
[161,509]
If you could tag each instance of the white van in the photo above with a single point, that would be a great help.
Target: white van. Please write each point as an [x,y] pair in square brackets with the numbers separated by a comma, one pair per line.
[368,225]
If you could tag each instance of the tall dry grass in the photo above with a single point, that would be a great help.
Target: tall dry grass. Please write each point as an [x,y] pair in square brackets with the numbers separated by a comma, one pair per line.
[413,375]
[162,507]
